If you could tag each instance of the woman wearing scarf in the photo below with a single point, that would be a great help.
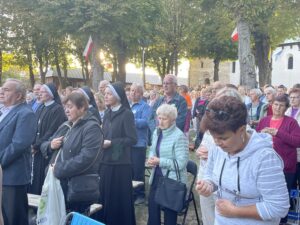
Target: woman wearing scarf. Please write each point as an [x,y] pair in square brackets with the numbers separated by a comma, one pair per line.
[88,94]
[115,160]
[50,115]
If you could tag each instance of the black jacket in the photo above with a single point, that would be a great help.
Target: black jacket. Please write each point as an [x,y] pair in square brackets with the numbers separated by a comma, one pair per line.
[49,118]
[80,150]
[118,127]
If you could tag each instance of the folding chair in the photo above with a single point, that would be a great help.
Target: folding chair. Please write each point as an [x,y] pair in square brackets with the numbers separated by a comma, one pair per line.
[192,170]
[74,218]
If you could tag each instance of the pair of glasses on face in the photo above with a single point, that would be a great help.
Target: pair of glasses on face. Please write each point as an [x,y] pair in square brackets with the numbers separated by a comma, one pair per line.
[218,114]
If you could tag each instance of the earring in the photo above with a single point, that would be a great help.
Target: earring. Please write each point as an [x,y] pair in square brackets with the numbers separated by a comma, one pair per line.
[243,138]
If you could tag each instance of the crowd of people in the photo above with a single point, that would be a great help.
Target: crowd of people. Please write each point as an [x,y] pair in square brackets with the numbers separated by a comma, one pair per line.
[248,143]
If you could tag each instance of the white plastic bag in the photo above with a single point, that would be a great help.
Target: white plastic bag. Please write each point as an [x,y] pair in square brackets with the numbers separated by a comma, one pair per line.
[52,208]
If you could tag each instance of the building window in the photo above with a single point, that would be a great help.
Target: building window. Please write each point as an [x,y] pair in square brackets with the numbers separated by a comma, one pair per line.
[233,67]
[290,63]
[202,64]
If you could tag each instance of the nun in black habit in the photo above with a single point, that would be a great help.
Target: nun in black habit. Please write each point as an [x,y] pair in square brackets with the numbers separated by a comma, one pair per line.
[115,159]
[86,91]
[50,116]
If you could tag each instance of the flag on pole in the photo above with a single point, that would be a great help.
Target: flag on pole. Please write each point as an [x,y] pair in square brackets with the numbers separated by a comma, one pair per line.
[234,35]
[88,49]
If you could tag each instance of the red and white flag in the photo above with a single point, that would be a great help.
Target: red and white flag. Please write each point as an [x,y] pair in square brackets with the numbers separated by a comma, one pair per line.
[235,35]
[88,49]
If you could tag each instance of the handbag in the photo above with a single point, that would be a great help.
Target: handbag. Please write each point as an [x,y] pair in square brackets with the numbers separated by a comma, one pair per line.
[83,188]
[170,193]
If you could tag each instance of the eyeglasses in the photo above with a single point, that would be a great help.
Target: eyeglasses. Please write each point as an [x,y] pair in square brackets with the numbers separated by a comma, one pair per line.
[218,114]
[294,97]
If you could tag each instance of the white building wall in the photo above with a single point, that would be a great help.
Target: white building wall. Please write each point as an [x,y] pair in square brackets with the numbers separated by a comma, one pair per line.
[235,75]
[280,73]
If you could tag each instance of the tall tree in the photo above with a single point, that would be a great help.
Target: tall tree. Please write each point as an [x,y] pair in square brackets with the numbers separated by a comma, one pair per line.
[174,33]
[257,18]
[212,38]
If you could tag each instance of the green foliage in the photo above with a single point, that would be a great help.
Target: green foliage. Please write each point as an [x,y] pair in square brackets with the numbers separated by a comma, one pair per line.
[213,36]
[37,29]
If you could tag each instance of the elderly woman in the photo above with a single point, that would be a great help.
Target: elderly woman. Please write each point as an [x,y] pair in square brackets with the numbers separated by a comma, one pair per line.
[154,95]
[99,98]
[255,107]
[50,115]
[115,162]
[168,143]
[86,91]
[286,137]
[294,111]
[79,140]
[270,94]
[243,168]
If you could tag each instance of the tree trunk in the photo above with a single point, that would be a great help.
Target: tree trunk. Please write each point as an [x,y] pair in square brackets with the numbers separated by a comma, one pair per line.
[1,70]
[164,67]
[65,68]
[262,49]
[122,60]
[122,67]
[175,60]
[97,69]
[216,68]
[246,58]
[40,61]
[115,68]
[41,65]
[30,67]
[84,69]
[56,61]
[46,65]
[169,65]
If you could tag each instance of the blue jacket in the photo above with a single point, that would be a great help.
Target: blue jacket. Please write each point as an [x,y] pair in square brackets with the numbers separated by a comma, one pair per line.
[141,112]
[17,132]
[181,106]
[174,145]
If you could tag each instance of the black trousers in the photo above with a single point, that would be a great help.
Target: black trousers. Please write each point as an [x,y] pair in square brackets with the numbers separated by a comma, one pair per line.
[170,216]
[138,158]
[15,205]
[296,183]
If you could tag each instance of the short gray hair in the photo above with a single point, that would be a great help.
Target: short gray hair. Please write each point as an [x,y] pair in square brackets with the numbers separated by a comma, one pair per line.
[20,87]
[257,91]
[167,110]
[227,91]
[138,86]
[172,77]
[270,89]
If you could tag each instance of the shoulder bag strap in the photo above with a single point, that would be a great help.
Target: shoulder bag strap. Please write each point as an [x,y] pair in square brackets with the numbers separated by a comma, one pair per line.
[96,155]
[175,163]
